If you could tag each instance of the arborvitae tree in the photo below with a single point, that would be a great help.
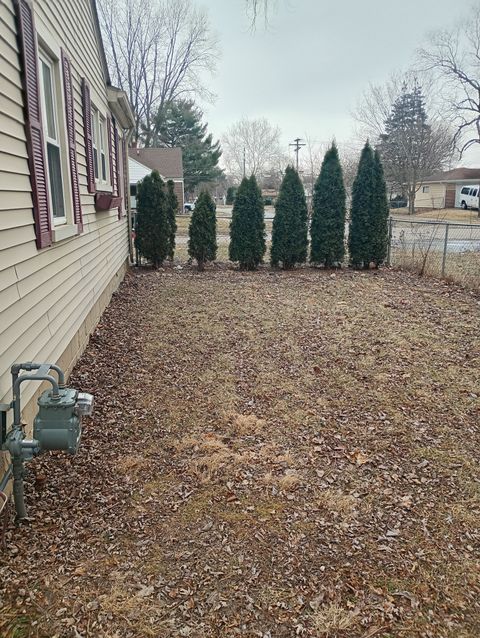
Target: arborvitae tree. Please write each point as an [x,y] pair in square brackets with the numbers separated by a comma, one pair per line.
[379,215]
[152,232]
[231,191]
[328,219]
[202,232]
[290,224]
[247,228]
[172,210]
[363,196]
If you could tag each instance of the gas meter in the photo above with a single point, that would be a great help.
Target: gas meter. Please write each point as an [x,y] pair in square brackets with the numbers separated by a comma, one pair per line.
[57,426]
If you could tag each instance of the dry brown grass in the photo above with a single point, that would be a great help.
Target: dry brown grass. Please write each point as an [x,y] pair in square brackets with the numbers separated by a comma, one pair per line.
[460,268]
[132,465]
[332,620]
[337,502]
[248,424]
[302,457]
[444,214]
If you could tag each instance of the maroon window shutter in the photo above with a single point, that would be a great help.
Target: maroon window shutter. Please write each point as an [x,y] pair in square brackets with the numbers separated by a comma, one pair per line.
[33,124]
[72,149]
[87,127]
[112,149]
[118,159]
[110,154]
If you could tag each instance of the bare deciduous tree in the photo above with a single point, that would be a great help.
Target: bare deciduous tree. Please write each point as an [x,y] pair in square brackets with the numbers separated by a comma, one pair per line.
[256,141]
[157,51]
[454,57]
[310,161]
[258,8]
[349,158]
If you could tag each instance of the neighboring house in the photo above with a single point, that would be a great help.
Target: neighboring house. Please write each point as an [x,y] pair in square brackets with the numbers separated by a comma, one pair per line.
[64,238]
[444,190]
[167,161]
[270,193]
[136,172]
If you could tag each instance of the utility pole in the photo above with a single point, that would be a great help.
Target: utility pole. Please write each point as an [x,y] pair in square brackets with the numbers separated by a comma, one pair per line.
[297,145]
[244,162]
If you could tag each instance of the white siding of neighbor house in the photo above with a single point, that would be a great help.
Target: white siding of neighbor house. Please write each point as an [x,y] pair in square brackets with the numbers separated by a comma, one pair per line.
[435,198]
[46,295]
[138,171]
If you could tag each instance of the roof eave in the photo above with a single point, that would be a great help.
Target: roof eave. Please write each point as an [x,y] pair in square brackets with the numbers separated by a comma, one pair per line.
[98,31]
[120,107]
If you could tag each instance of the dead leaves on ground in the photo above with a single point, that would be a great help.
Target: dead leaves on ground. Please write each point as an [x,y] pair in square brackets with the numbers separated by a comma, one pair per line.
[273,455]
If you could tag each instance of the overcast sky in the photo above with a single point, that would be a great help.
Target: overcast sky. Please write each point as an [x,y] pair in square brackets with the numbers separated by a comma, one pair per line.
[306,72]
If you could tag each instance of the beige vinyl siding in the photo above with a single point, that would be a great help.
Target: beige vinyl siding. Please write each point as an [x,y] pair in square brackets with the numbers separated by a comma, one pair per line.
[50,299]
[435,198]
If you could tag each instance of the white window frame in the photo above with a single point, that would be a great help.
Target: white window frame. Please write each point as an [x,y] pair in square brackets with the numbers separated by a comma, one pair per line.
[425,189]
[48,61]
[100,148]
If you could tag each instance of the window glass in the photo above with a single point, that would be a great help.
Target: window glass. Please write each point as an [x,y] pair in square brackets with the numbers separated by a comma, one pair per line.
[103,145]
[474,193]
[49,104]
[99,143]
[54,158]
[95,140]
[426,189]
[465,191]
[56,186]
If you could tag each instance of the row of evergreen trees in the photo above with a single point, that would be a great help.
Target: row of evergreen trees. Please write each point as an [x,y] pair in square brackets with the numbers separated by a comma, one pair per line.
[157,206]
[368,233]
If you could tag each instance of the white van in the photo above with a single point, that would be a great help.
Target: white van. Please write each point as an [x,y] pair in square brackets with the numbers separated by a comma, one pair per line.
[469,197]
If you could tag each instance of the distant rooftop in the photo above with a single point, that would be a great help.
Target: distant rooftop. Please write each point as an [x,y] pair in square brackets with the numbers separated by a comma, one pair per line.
[167,161]
[138,171]
[455,175]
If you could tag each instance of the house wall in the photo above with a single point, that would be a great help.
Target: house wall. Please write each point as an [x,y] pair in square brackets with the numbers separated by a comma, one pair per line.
[51,299]
[435,198]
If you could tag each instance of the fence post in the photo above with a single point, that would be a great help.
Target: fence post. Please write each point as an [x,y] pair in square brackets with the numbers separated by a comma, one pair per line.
[389,247]
[445,247]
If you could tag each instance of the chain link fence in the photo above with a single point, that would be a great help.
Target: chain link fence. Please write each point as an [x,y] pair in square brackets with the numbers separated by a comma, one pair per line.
[439,249]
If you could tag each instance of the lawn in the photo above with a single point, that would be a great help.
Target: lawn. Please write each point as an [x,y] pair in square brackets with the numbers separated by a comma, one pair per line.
[457,215]
[272,455]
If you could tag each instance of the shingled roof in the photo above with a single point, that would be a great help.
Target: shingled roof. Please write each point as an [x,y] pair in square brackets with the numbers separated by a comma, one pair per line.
[167,161]
[455,175]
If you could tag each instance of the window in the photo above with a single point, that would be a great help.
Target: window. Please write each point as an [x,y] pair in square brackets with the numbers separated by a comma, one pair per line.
[99,143]
[103,155]
[95,141]
[426,189]
[465,191]
[474,192]
[52,139]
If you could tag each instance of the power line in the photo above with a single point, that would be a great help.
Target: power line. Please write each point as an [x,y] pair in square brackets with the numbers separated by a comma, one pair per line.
[297,145]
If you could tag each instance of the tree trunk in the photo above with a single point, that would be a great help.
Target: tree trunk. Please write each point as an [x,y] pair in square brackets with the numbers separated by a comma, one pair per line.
[201,266]
[411,201]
